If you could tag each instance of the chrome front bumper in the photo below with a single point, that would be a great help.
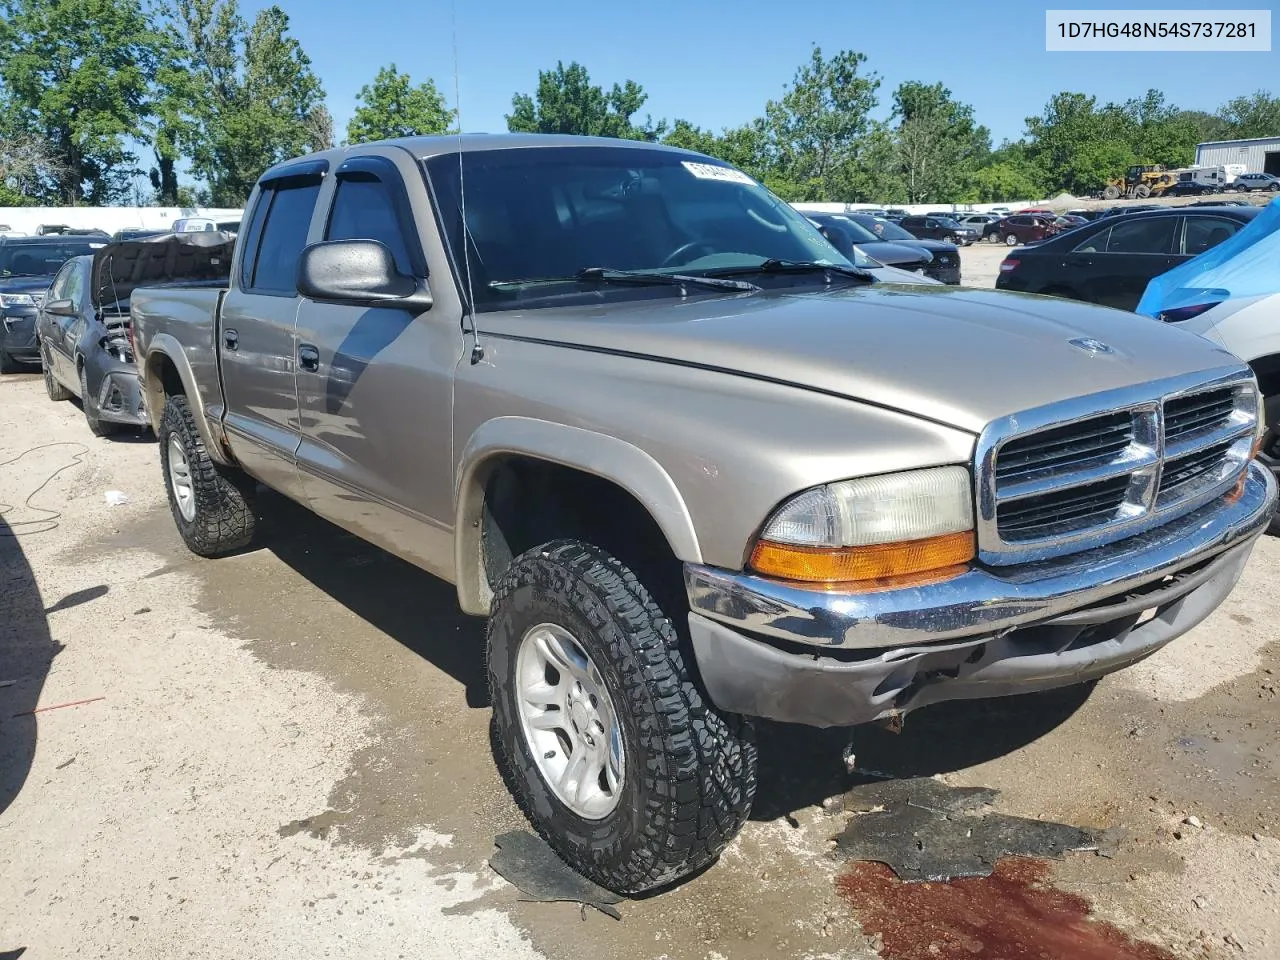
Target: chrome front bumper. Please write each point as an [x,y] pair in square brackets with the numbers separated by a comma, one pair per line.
[768,649]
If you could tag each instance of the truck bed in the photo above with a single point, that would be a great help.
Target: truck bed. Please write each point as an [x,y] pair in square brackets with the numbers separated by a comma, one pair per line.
[186,313]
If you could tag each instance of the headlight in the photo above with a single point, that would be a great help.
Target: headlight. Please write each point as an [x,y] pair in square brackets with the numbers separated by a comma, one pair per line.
[876,531]
[17,300]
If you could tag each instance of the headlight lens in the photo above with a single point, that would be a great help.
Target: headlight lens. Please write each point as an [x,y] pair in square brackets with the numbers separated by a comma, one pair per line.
[872,530]
[17,300]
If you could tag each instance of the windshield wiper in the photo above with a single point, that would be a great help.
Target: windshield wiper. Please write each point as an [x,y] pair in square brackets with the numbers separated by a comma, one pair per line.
[775,265]
[637,277]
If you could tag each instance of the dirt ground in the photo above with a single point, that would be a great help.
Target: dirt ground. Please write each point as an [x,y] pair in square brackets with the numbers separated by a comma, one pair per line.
[285,754]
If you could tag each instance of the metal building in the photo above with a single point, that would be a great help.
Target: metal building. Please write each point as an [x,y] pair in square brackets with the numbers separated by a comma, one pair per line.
[1258,156]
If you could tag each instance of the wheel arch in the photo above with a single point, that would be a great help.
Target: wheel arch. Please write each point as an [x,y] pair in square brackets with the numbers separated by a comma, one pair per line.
[167,372]
[614,474]
[1267,369]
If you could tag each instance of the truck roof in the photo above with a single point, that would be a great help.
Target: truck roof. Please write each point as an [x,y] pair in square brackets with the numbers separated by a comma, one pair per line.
[424,147]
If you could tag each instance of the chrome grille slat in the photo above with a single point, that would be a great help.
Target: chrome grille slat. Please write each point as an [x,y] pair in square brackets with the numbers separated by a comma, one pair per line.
[1069,476]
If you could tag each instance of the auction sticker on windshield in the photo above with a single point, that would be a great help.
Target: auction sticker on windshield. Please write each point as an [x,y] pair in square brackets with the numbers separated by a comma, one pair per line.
[710,171]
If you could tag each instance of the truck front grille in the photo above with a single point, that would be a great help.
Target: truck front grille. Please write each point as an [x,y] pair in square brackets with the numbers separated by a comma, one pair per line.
[1053,484]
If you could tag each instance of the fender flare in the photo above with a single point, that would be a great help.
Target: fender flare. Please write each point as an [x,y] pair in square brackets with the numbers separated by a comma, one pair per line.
[599,454]
[164,346]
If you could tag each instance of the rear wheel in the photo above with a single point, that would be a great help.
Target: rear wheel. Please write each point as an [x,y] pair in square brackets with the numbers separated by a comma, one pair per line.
[1274,187]
[97,426]
[1011,240]
[52,387]
[1111,192]
[1142,191]
[212,505]
[601,732]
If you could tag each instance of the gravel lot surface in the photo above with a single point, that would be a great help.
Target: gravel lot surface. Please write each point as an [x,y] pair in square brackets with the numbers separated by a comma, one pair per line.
[285,754]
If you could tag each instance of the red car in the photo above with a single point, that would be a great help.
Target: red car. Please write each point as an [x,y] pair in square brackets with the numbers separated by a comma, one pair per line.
[1024,228]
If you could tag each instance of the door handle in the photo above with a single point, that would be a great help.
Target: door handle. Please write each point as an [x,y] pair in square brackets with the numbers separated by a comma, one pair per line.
[231,339]
[308,357]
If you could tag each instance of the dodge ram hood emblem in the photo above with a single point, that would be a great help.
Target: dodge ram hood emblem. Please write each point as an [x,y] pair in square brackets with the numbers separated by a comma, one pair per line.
[1091,346]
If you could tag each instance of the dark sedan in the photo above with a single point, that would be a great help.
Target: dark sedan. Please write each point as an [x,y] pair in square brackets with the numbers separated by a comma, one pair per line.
[27,265]
[1111,261]
[845,236]
[946,256]
[939,228]
[85,349]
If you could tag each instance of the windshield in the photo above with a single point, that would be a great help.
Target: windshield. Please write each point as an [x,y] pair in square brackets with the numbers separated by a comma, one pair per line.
[859,232]
[40,259]
[537,216]
[885,229]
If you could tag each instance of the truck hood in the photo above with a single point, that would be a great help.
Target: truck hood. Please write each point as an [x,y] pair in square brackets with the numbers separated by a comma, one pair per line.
[120,267]
[955,356]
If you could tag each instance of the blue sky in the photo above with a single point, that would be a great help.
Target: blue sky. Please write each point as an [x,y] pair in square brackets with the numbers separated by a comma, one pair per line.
[717,64]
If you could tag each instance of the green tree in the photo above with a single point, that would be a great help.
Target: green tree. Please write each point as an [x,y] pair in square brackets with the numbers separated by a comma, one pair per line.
[1160,132]
[938,143]
[392,106]
[77,75]
[1078,145]
[814,131]
[566,101]
[1255,115]
[1207,126]
[256,99]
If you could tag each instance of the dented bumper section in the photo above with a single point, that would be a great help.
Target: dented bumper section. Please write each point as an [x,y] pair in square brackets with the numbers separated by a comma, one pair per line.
[826,659]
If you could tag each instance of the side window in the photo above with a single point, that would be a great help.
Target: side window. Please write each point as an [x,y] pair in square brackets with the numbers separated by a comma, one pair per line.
[930,223]
[284,234]
[368,207]
[1204,233]
[1143,236]
[1095,244]
[75,285]
[58,289]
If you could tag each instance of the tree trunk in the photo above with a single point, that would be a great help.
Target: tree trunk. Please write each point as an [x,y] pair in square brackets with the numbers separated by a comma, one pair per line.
[167,188]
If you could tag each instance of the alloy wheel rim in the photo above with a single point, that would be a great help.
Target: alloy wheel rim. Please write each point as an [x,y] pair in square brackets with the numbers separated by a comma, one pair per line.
[180,480]
[569,721]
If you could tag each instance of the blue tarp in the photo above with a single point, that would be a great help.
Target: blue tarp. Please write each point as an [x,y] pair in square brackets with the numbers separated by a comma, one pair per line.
[1245,265]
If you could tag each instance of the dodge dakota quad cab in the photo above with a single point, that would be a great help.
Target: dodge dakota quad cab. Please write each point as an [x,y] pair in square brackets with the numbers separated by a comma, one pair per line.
[693,466]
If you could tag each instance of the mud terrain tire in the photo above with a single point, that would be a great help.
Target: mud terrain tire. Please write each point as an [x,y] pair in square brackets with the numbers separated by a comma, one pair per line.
[222,517]
[689,772]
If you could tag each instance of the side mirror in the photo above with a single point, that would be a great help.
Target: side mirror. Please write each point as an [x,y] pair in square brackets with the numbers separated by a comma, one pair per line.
[358,272]
[61,308]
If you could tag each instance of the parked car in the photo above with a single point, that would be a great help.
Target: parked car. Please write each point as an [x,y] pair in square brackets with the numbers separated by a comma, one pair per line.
[138,234]
[681,497]
[1000,211]
[1067,222]
[946,256]
[939,228]
[1111,261]
[983,223]
[27,266]
[83,327]
[849,237]
[1023,228]
[1251,182]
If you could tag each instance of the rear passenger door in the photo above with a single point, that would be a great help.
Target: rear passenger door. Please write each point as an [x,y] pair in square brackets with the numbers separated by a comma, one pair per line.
[1136,250]
[1201,233]
[257,346]
[375,384]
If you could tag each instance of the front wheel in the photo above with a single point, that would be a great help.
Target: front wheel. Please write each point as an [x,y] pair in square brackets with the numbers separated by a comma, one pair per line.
[212,505]
[1011,240]
[1274,187]
[602,734]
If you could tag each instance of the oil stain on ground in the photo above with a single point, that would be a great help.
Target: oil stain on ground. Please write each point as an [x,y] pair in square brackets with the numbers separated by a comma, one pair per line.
[1009,915]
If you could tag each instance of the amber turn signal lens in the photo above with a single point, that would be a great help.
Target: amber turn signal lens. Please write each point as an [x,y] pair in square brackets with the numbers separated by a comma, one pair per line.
[820,565]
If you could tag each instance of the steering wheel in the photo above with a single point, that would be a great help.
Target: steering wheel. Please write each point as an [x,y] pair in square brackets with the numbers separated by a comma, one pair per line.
[678,255]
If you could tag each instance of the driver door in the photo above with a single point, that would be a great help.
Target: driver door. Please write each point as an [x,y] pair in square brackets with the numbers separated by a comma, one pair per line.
[375,384]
